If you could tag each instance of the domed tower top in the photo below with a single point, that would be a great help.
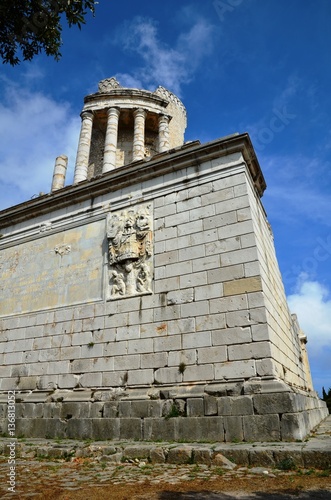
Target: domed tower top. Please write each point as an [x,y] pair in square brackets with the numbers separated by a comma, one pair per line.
[123,125]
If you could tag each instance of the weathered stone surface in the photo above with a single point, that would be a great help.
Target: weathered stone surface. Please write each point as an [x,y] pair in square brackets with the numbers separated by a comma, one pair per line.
[206,429]
[261,457]
[195,407]
[55,428]
[210,405]
[223,462]
[233,428]
[180,455]
[124,409]
[244,285]
[293,426]
[202,456]
[115,458]
[317,459]
[276,403]
[137,451]
[225,389]
[79,428]
[105,428]
[287,454]
[261,427]
[161,429]
[241,405]
[131,428]
[237,455]
[157,455]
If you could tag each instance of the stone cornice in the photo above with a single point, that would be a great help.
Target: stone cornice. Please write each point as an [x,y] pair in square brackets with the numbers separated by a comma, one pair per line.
[191,154]
[121,94]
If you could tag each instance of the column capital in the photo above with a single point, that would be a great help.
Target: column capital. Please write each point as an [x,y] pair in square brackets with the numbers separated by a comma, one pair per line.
[87,115]
[139,111]
[114,110]
[163,116]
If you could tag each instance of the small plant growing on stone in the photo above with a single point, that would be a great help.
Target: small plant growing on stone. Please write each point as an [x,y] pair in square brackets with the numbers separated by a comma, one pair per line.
[286,464]
[90,345]
[174,412]
[324,473]
[219,471]
[182,367]
[309,472]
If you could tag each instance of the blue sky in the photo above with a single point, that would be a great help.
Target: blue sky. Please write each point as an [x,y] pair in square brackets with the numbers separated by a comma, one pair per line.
[238,65]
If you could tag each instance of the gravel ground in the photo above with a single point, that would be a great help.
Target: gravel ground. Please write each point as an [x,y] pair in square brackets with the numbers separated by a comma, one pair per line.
[137,480]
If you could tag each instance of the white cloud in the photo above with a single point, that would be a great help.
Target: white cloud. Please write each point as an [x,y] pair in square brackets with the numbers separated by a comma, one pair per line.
[164,65]
[292,183]
[312,304]
[34,130]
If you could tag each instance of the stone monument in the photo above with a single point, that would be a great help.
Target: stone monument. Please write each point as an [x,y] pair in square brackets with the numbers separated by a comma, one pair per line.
[145,300]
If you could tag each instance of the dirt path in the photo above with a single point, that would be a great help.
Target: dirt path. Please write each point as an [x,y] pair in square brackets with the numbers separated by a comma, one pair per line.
[90,480]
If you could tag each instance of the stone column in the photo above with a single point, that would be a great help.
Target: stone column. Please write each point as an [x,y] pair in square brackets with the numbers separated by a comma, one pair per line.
[84,146]
[139,134]
[109,156]
[59,174]
[163,133]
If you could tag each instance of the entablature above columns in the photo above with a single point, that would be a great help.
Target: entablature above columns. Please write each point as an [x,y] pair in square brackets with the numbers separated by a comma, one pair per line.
[99,102]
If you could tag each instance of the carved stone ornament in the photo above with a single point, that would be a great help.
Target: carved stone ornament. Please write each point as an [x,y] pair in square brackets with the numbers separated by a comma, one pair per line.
[62,249]
[108,85]
[130,248]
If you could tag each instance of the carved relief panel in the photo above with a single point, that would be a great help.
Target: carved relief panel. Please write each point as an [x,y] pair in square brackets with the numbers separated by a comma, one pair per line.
[130,252]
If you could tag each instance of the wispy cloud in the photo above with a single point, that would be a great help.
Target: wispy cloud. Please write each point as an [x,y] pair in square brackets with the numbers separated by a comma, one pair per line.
[161,64]
[312,304]
[294,184]
[34,129]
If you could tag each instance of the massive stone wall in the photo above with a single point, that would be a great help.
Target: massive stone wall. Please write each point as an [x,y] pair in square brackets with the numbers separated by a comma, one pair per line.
[278,326]
[163,296]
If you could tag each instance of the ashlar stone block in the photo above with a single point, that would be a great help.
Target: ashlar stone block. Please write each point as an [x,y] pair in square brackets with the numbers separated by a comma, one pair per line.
[210,405]
[180,455]
[201,429]
[262,427]
[241,405]
[229,336]
[131,428]
[198,372]
[110,409]
[140,377]
[79,428]
[235,369]
[244,285]
[195,407]
[124,409]
[284,402]
[233,428]
[253,350]
[156,429]
[212,354]
[202,456]
[105,428]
